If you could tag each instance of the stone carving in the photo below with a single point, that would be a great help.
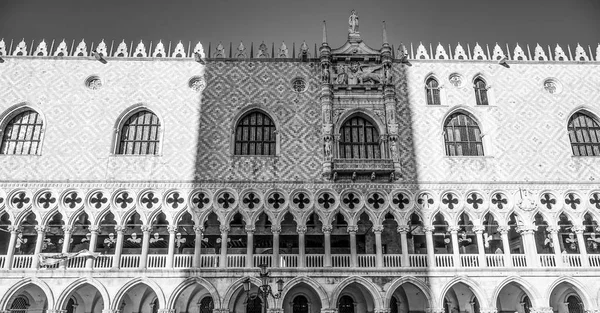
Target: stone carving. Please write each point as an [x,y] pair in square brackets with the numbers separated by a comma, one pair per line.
[325,74]
[41,50]
[455,79]
[2,47]
[241,51]
[527,202]
[421,52]
[459,53]
[21,49]
[580,54]
[440,52]
[220,51]
[101,48]
[283,50]
[394,150]
[179,51]
[559,54]
[262,51]
[498,53]
[328,148]
[550,86]
[518,54]
[342,76]
[121,50]
[140,51]
[304,50]
[159,50]
[199,49]
[356,73]
[353,22]
[478,53]
[539,53]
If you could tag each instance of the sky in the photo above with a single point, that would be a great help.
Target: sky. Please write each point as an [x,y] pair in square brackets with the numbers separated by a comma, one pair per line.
[547,22]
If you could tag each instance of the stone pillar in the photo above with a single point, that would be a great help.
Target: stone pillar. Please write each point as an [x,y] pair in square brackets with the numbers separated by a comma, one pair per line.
[383,310]
[275,230]
[505,245]
[378,246]
[480,248]
[67,231]
[224,233]
[403,230]
[171,252]
[352,229]
[455,249]
[198,230]
[250,245]
[327,234]
[89,263]
[301,246]
[429,241]
[146,230]
[556,245]
[41,231]
[118,246]
[578,229]
[529,243]
[10,253]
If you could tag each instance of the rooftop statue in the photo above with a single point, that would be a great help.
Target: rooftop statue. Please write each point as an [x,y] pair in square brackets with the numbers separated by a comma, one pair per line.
[353,21]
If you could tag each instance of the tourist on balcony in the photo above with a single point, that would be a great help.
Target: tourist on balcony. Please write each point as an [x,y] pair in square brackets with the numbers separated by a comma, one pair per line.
[592,243]
[21,244]
[548,244]
[157,242]
[463,242]
[109,243]
[134,241]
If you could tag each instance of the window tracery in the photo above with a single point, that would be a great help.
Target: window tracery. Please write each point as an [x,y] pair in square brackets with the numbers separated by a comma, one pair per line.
[584,134]
[22,134]
[481,94]
[139,135]
[432,91]
[359,139]
[462,136]
[255,134]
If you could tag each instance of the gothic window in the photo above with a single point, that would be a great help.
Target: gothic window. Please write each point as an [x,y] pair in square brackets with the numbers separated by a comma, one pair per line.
[19,305]
[255,135]
[300,305]
[346,305]
[359,139]
[462,136]
[574,304]
[22,134]
[584,133]
[206,305]
[432,91]
[481,88]
[254,305]
[140,134]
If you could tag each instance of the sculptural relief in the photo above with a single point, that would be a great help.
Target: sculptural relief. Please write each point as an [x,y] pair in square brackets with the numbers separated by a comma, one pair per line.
[358,74]
[353,22]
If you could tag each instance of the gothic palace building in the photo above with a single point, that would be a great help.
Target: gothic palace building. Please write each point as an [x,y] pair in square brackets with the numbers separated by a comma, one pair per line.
[145,179]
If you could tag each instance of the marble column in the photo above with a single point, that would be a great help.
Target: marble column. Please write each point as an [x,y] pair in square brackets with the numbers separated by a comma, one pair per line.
[67,232]
[578,229]
[172,229]
[250,245]
[455,248]
[378,246]
[198,231]
[352,229]
[555,245]
[93,229]
[41,231]
[146,230]
[403,230]
[529,244]
[480,248]
[429,242]
[327,234]
[505,245]
[275,230]
[301,246]
[10,253]
[224,233]
[118,246]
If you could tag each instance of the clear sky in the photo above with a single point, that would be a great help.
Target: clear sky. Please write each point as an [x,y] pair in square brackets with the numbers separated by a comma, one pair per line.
[428,21]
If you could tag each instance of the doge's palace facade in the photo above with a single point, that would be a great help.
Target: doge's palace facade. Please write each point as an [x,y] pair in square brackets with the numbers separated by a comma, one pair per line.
[140,178]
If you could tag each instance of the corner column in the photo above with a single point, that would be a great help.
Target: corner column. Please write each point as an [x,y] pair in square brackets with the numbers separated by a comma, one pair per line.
[429,241]
[327,234]
[301,246]
[378,246]
[224,233]
[403,230]
[89,263]
[250,245]
[352,229]
[146,230]
[41,231]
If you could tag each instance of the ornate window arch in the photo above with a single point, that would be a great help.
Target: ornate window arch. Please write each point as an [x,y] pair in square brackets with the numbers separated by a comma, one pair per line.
[255,134]
[23,132]
[584,134]
[139,133]
[462,136]
[481,91]
[359,139]
[574,304]
[432,91]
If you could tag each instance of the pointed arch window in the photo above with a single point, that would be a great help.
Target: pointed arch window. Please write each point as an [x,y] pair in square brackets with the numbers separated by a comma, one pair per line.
[206,305]
[359,139]
[481,96]
[432,91]
[22,134]
[346,305]
[140,134]
[584,133]
[462,136]
[300,305]
[255,134]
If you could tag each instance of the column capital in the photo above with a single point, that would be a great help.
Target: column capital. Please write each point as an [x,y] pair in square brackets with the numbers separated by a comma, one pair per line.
[453,229]
[94,228]
[403,229]
[542,310]
[40,228]
[301,229]
[67,228]
[378,229]
[488,310]
[275,229]
[479,229]
[434,310]
[12,228]
[428,229]
[275,310]
[120,228]
[224,228]
[578,229]
[250,228]
[503,229]
[145,228]
[552,229]
[198,229]
[382,310]
[526,229]
[166,310]
[329,310]
[327,229]
[352,229]
[171,228]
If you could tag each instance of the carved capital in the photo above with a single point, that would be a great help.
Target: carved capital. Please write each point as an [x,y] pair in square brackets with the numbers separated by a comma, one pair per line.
[327,229]
[435,310]
[378,229]
[454,229]
[40,228]
[503,229]
[145,228]
[383,310]
[13,228]
[67,228]
[403,229]
[578,229]
[224,228]
[526,229]
[198,229]
[171,228]
[301,229]
[428,229]
[275,229]
[352,229]
[250,228]
[479,229]
[552,229]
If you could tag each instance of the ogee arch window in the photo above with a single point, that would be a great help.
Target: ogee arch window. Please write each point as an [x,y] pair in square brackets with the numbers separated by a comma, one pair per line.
[481,96]
[584,133]
[432,91]
[255,134]
[462,136]
[22,134]
[140,134]
[359,139]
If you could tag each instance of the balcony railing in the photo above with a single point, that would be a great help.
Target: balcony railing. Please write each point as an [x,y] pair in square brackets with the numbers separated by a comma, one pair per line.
[180,261]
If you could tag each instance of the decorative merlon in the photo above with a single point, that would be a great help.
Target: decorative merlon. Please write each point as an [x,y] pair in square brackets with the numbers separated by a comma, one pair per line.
[421,51]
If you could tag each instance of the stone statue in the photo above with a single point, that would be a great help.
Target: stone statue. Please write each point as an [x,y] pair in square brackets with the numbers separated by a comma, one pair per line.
[304,49]
[342,76]
[394,150]
[220,53]
[360,74]
[353,21]
[326,74]
[327,148]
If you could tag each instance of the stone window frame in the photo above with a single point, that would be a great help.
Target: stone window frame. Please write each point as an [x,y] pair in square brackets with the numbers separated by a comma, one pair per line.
[429,89]
[374,120]
[489,91]
[594,118]
[120,123]
[13,112]
[243,113]
[482,131]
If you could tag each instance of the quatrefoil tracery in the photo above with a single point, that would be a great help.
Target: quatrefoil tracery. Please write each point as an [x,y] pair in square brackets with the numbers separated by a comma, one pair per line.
[201,200]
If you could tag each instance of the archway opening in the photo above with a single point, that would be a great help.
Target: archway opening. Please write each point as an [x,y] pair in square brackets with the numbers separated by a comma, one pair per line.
[408,298]
[302,298]
[566,298]
[461,298]
[4,233]
[211,242]
[139,299]
[28,299]
[185,236]
[314,237]
[355,298]
[194,298]
[513,298]
[84,299]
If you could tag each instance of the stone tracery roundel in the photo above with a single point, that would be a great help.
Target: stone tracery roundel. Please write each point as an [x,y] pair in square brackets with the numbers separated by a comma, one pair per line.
[300,199]
[175,200]
[276,200]
[21,199]
[475,201]
[201,199]
[499,200]
[377,200]
[548,201]
[327,200]
[573,201]
[150,200]
[250,200]
[45,200]
[594,200]
[123,200]
[2,198]
[72,200]
[226,199]
[401,200]
[351,199]
[451,201]
[425,200]
[97,200]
